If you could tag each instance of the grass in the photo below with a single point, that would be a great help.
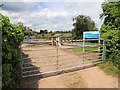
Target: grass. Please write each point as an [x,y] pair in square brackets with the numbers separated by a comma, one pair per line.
[80,49]
[43,39]
[66,34]
[109,68]
[89,43]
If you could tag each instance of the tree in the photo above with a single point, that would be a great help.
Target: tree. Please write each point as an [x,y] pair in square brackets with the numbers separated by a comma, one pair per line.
[110,30]
[42,33]
[28,31]
[83,23]
[50,31]
[45,31]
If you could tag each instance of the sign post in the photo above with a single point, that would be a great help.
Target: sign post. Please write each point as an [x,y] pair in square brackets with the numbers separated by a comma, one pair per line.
[90,35]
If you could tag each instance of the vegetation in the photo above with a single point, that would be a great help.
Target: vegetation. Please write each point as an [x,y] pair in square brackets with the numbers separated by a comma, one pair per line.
[80,49]
[83,23]
[12,36]
[109,68]
[110,30]
[45,39]
[42,32]
[63,33]
[28,31]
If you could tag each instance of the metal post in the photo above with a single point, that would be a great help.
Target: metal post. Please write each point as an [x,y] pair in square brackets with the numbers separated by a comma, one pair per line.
[57,53]
[83,51]
[104,50]
[99,48]
[83,59]
[83,45]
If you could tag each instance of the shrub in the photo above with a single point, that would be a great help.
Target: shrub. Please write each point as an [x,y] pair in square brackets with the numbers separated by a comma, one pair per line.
[12,36]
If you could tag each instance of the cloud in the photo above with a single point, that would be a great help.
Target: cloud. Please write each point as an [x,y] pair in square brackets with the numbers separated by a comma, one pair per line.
[20,6]
[53,0]
[50,15]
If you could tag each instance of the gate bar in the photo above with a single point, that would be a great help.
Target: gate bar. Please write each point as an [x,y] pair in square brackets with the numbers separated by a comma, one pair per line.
[52,73]
[39,50]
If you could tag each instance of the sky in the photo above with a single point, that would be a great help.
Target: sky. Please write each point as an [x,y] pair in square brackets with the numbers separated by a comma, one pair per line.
[51,15]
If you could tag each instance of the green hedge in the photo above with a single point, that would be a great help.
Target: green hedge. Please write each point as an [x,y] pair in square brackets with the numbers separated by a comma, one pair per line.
[12,36]
[110,30]
[112,46]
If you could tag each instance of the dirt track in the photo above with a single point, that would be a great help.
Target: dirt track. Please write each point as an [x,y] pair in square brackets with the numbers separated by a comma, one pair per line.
[88,78]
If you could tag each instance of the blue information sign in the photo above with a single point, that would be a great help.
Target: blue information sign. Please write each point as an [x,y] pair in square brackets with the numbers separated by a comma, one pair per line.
[91,35]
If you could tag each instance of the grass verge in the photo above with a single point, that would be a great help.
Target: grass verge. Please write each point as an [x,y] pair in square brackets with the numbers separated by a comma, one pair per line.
[80,49]
[45,39]
[109,68]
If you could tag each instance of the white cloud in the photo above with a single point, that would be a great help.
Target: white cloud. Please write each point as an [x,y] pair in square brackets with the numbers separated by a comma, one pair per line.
[20,20]
[53,0]
[48,13]
[51,16]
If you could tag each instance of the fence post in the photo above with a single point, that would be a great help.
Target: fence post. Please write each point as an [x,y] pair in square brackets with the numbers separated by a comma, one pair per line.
[83,45]
[57,53]
[83,52]
[104,50]
[100,44]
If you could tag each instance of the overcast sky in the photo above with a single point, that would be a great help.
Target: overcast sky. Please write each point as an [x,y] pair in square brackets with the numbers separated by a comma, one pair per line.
[51,15]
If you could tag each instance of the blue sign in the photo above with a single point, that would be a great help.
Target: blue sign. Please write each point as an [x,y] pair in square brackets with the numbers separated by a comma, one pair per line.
[91,35]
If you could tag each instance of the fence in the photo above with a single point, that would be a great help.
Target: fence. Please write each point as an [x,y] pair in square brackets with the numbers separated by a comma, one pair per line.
[42,58]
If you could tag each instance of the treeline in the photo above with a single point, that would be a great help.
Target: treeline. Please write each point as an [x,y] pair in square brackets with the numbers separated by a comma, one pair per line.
[49,32]
[44,33]
[69,31]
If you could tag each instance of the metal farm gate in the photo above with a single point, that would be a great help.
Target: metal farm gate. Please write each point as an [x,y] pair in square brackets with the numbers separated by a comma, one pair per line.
[42,58]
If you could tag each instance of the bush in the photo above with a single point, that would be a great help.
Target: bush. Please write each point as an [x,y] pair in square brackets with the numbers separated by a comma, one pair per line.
[12,36]
[7,75]
[110,31]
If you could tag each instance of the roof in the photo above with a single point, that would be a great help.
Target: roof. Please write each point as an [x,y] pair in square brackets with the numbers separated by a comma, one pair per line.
[56,35]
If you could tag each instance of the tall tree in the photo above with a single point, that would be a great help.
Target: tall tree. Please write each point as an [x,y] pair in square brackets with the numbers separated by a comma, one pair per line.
[45,31]
[42,33]
[83,23]
[110,29]
[28,31]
